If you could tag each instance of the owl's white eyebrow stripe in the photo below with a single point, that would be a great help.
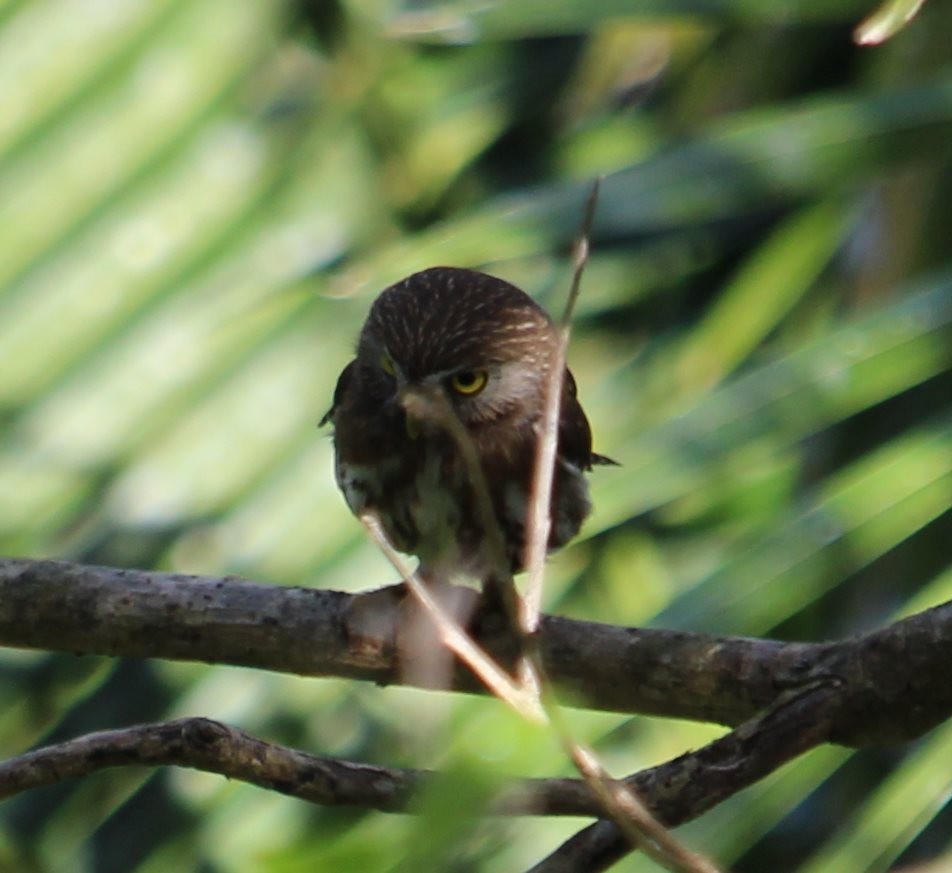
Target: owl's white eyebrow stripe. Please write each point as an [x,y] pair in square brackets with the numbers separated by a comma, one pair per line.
[522,325]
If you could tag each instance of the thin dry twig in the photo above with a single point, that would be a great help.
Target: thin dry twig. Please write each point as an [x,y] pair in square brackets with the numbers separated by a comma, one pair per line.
[455,637]
[539,522]
[620,801]
[500,580]
[434,406]
[697,781]
[528,697]
[624,806]
[626,809]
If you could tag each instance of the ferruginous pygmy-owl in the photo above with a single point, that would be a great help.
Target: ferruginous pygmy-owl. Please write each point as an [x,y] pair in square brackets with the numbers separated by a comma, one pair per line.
[455,341]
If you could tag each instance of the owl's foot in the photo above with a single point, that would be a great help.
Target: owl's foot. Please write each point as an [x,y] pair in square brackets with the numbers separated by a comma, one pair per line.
[389,631]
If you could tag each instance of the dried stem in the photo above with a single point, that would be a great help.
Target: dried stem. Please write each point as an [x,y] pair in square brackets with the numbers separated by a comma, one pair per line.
[626,809]
[455,637]
[528,697]
[434,406]
[539,522]
[621,802]
[798,721]
[623,805]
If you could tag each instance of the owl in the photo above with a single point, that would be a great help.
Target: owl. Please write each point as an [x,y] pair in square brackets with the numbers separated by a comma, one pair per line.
[453,342]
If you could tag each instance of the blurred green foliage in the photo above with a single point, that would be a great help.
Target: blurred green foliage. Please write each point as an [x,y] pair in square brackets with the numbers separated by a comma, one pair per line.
[199,199]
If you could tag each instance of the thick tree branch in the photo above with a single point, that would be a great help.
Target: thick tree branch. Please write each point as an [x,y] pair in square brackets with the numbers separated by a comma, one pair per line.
[893,683]
[677,790]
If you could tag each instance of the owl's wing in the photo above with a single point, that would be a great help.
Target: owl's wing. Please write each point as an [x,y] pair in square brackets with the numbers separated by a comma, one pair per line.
[347,374]
[575,434]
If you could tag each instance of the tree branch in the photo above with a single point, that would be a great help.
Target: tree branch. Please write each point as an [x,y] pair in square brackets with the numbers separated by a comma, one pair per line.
[677,790]
[203,744]
[892,682]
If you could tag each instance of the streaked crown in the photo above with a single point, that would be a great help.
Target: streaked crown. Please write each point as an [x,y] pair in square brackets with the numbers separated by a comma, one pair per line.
[447,317]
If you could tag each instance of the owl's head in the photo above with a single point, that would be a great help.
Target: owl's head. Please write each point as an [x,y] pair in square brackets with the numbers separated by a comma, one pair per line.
[483,343]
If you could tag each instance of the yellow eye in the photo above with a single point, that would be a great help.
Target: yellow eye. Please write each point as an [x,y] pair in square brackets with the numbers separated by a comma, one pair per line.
[387,365]
[469,381]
